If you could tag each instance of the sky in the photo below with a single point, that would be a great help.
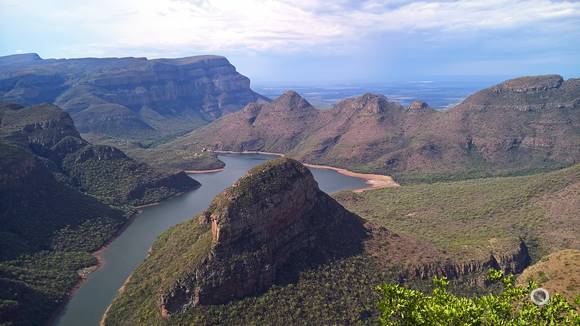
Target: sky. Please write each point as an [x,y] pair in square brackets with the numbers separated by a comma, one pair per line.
[311,41]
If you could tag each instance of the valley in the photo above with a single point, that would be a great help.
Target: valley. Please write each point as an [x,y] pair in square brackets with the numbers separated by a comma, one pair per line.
[127,251]
[385,193]
[275,162]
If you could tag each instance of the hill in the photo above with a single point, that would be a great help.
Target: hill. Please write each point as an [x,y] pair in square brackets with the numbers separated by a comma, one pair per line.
[519,126]
[274,249]
[558,273]
[129,98]
[470,219]
[101,171]
[62,198]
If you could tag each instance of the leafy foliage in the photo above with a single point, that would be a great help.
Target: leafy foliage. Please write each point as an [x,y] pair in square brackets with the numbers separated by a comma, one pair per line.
[512,306]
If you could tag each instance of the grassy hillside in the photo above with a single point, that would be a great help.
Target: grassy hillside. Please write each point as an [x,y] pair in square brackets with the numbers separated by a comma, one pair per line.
[470,219]
[558,272]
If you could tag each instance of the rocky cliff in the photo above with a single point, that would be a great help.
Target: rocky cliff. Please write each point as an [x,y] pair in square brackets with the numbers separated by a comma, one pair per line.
[524,124]
[269,222]
[129,97]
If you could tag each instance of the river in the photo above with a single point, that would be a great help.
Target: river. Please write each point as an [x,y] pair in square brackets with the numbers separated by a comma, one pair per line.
[127,251]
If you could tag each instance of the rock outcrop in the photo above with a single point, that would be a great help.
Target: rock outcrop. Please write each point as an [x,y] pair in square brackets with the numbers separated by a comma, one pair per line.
[263,228]
[129,97]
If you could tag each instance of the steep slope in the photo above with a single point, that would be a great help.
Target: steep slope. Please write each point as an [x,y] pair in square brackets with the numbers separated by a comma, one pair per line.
[274,248]
[56,190]
[47,231]
[102,171]
[129,97]
[521,125]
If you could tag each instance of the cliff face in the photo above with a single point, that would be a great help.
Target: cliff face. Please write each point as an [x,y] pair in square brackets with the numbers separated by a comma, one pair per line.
[129,97]
[520,125]
[263,228]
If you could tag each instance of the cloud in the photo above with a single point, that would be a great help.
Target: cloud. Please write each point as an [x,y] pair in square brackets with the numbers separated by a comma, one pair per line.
[283,25]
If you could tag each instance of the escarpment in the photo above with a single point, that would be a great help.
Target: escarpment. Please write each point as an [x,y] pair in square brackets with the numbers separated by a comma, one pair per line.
[264,228]
[514,261]
[130,98]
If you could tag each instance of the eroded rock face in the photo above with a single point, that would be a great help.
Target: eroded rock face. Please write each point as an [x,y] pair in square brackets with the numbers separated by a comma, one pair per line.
[531,84]
[129,97]
[418,106]
[262,228]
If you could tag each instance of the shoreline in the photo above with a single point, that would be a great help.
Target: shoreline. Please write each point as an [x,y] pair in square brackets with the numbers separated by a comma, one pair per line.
[85,272]
[250,152]
[374,181]
[203,171]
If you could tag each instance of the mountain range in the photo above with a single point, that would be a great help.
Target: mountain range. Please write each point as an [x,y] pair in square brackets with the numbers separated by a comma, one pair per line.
[129,98]
[521,125]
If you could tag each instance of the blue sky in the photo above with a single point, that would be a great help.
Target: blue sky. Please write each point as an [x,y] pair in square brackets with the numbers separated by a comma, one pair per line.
[311,41]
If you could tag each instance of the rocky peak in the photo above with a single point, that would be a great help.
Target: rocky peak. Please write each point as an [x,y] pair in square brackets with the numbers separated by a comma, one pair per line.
[531,84]
[291,101]
[16,59]
[269,222]
[368,104]
[260,201]
[418,106]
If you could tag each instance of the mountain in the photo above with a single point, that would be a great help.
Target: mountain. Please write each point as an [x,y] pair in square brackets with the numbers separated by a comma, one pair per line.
[62,198]
[521,125]
[101,171]
[274,248]
[129,98]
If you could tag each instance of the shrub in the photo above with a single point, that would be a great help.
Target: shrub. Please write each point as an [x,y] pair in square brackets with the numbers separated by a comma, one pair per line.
[512,306]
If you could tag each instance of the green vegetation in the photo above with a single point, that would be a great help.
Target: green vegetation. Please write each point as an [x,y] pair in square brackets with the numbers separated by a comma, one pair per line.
[338,293]
[48,231]
[470,219]
[62,199]
[33,286]
[113,178]
[260,182]
[180,160]
[175,252]
[512,306]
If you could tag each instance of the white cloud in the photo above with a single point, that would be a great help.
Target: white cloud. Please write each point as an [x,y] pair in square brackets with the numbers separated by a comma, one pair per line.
[284,25]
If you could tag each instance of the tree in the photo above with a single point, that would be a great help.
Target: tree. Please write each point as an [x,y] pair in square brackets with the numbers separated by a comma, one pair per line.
[513,306]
